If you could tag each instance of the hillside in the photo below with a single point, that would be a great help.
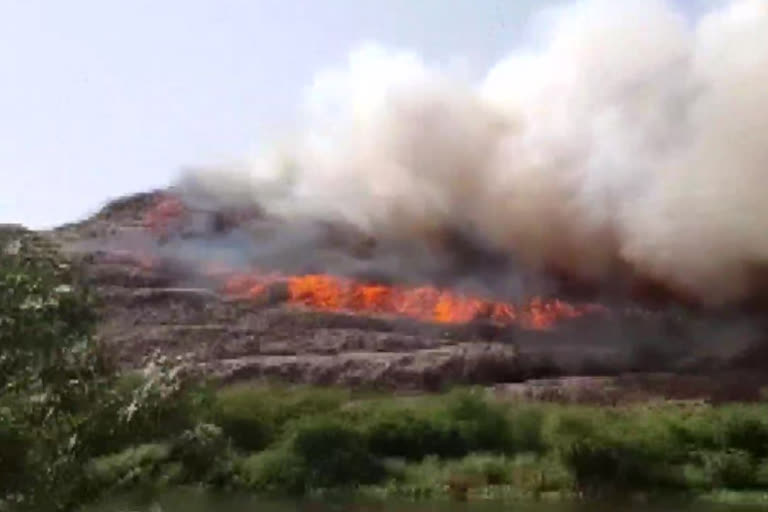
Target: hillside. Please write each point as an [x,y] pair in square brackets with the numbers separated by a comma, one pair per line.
[149,303]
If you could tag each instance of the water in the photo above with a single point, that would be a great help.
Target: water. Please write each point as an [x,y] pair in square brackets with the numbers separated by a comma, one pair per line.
[186,501]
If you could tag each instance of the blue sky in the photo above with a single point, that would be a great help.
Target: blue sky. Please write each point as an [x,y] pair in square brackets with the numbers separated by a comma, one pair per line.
[99,98]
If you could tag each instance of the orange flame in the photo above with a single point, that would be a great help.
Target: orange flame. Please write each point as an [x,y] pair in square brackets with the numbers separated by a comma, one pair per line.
[166,212]
[426,303]
[331,293]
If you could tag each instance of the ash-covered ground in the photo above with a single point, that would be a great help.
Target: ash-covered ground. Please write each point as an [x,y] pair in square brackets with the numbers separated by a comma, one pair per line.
[151,301]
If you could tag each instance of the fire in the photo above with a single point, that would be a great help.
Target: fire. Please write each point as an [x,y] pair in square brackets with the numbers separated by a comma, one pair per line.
[425,303]
[331,293]
[167,212]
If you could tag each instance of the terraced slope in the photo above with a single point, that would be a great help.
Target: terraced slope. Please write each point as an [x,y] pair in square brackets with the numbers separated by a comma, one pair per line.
[147,308]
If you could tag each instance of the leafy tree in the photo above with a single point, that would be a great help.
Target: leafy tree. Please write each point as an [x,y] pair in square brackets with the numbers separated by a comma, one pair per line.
[56,384]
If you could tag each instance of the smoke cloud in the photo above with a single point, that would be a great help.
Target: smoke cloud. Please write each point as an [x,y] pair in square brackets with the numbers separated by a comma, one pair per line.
[628,138]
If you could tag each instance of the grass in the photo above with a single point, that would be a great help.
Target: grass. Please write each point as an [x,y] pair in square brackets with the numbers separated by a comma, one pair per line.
[460,445]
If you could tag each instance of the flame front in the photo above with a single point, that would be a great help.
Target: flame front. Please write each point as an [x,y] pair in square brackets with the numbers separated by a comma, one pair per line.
[332,293]
[425,303]
[167,212]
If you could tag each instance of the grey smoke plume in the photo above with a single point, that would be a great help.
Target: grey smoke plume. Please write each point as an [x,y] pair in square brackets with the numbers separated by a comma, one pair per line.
[631,138]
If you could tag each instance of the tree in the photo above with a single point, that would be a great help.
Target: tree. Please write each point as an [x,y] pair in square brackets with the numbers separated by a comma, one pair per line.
[54,378]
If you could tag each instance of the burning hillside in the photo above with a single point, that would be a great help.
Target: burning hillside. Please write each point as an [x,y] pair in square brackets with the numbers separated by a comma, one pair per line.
[595,204]
[170,282]
[326,292]
[628,145]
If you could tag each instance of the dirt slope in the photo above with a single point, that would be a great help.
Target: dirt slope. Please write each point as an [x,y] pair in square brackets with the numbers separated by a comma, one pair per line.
[151,307]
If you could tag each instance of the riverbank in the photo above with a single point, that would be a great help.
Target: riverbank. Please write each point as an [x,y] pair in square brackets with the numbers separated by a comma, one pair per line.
[464,445]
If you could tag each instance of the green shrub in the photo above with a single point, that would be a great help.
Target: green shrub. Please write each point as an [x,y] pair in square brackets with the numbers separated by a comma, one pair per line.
[488,468]
[528,473]
[694,430]
[541,474]
[322,453]
[564,426]
[14,450]
[413,436]
[203,453]
[482,426]
[277,471]
[244,419]
[334,454]
[746,431]
[452,426]
[732,469]
[160,405]
[610,453]
[254,417]
[761,474]
[421,480]
[525,429]
[694,476]
[129,468]
[606,466]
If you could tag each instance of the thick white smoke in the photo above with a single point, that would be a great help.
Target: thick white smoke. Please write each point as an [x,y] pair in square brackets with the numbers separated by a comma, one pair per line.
[630,138]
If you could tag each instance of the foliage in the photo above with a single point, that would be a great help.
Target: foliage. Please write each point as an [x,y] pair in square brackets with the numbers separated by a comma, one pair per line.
[335,454]
[62,402]
[464,422]
[254,417]
[729,469]
[136,466]
[51,374]
[275,471]
[321,453]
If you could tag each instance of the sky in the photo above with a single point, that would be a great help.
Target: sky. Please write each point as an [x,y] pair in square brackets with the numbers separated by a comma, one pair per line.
[101,98]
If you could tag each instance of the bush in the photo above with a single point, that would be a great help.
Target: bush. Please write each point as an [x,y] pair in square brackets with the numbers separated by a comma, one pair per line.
[14,450]
[129,468]
[761,474]
[694,430]
[732,469]
[422,480]
[528,473]
[746,432]
[482,426]
[611,456]
[278,471]
[160,404]
[254,417]
[525,429]
[322,453]
[334,454]
[203,452]
[601,466]
[454,426]
[536,474]
[413,436]
[487,468]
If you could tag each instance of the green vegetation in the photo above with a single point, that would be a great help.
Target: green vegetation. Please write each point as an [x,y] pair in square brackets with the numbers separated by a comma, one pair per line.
[62,401]
[73,430]
[460,445]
